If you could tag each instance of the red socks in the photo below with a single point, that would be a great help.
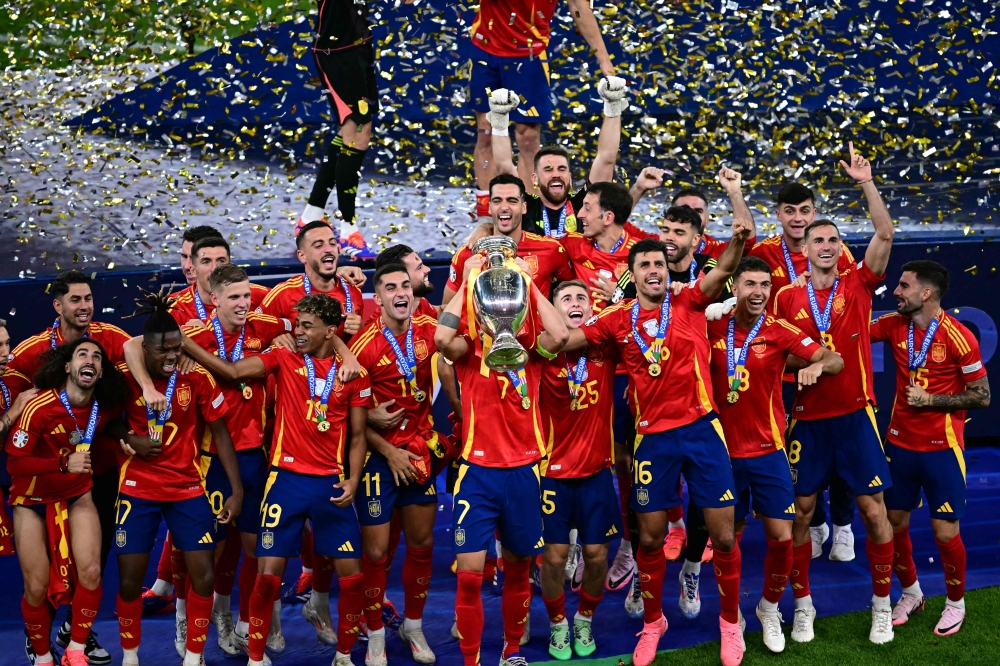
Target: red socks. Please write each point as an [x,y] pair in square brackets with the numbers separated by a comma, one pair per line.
[652,566]
[675,513]
[307,549]
[84,609]
[416,580]
[880,564]
[482,204]
[163,569]
[514,604]
[129,622]
[349,608]
[261,605]
[588,604]
[906,568]
[777,567]
[953,561]
[323,573]
[556,608]
[199,613]
[374,577]
[469,615]
[727,574]
[180,572]
[38,622]
[225,568]
[248,577]
[801,557]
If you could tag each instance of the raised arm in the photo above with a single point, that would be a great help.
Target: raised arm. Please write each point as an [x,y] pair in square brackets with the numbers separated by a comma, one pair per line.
[502,102]
[586,22]
[649,179]
[713,283]
[877,254]
[446,337]
[250,367]
[732,182]
[555,335]
[612,90]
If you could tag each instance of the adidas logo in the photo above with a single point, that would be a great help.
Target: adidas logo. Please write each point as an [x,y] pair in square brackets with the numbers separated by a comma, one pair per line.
[125,634]
[541,541]
[59,429]
[385,360]
[721,593]
[952,581]
[945,508]
[801,314]
[531,113]
[431,491]
[790,509]
[589,265]
[796,586]
[727,496]
[647,595]
[875,482]
[346,548]
[778,272]
[883,581]
[256,635]
[612,531]
[902,344]
[206,539]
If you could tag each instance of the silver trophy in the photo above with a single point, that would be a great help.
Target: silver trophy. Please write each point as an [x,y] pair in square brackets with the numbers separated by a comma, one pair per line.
[500,297]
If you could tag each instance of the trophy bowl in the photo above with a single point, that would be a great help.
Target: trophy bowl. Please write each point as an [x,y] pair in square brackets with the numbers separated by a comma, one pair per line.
[500,299]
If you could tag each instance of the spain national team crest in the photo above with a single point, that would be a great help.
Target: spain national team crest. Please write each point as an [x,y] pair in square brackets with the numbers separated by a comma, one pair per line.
[620,270]
[839,303]
[420,348]
[374,508]
[939,352]
[642,496]
[120,538]
[267,540]
[460,537]
[184,395]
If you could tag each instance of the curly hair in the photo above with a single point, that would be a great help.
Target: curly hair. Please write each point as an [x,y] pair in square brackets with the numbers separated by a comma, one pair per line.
[111,389]
[156,309]
[322,306]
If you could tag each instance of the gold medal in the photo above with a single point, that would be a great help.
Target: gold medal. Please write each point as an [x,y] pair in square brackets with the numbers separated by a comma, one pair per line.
[574,405]
[525,402]
[323,426]
[247,392]
[654,369]
[419,396]
[732,397]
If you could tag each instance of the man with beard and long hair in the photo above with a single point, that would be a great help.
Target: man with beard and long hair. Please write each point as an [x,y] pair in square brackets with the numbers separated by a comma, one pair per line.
[56,523]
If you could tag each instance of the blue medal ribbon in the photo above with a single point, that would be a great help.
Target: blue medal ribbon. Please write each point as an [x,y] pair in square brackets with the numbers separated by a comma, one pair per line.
[652,352]
[408,362]
[348,301]
[520,383]
[575,377]
[53,343]
[220,339]
[324,397]
[915,361]
[701,246]
[6,396]
[693,270]
[789,264]
[614,248]
[567,210]
[822,320]
[734,366]
[85,438]
[198,304]
[156,420]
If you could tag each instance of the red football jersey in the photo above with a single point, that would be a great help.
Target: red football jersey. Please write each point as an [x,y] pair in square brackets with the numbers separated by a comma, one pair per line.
[769,250]
[175,474]
[546,257]
[42,436]
[953,361]
[298,444]
[424,307]
[578,442]
[851,389]
[497,431]
[589,261]
[281,301]
[513,28]
[683,391]
[755,424]
[388,382]
[246,417]
[184,308]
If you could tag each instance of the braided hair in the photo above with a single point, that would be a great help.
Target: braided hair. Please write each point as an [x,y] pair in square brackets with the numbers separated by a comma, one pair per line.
[156,309]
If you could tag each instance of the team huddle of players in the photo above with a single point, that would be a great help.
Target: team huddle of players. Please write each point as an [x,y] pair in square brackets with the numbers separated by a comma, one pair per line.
[281,423]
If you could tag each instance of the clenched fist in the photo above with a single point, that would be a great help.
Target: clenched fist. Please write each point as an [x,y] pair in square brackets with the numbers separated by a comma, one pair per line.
[502,102]
[613,91]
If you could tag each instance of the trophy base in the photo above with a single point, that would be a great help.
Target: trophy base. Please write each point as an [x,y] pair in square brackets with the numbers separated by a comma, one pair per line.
[506,359]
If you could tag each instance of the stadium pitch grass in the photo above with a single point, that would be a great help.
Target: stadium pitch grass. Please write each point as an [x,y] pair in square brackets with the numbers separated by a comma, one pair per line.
[843,639]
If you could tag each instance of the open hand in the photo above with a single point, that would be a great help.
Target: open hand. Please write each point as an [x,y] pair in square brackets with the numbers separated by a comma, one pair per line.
[859,169]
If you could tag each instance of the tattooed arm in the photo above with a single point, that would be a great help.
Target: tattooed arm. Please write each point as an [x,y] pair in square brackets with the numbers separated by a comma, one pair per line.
[975,396]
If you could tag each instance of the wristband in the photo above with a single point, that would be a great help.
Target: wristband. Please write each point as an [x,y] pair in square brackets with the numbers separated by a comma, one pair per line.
[544,353]
[449,320]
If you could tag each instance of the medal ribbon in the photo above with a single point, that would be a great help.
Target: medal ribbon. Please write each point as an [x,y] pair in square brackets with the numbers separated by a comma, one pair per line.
[52,340]
[198,304]
[789,264]
[918,360]
[407,363]
[6,396]
[614,248]
[348,301]
[327,385]
[88,436]
[566,211]
[575,375]
[734,367]
[652,352]
[822,320]
[519,381]
[156,420]
[693,270]
[220,339]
